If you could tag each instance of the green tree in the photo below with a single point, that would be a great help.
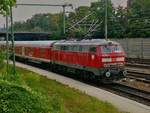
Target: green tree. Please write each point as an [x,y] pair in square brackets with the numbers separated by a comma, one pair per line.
[52,23]
[99,9]
[5,6]
[139,19]
[119,22]
[79,30]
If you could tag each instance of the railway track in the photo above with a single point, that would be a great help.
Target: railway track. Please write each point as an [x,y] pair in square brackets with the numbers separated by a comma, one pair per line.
[138,65]
[136,94]
[138,61]
[139,76]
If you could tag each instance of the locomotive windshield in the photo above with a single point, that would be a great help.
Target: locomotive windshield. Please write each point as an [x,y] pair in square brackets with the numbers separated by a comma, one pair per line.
[106,49]
[117,49]
[110,49]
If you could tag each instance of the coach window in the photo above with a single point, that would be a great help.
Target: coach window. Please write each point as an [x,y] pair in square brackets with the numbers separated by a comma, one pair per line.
[93,49]
[56,47]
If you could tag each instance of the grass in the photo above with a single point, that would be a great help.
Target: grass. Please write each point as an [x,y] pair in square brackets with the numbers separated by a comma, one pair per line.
[48,95]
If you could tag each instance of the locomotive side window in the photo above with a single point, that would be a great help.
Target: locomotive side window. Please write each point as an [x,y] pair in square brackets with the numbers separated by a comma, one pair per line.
[64,48]
[93,49]
[84,48]
[80,48]
[70,48]
[75,48]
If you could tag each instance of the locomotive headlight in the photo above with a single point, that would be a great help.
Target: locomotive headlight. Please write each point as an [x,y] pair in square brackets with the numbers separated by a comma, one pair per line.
[108,74]
[125,73]
[106,59]
[120,59]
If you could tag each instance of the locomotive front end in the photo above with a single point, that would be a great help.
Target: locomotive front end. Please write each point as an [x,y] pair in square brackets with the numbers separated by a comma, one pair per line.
[112,62]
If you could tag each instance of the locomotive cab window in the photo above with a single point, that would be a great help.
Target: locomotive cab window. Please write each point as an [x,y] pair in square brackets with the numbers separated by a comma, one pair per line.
[93,49]
[106,49]
[117,49]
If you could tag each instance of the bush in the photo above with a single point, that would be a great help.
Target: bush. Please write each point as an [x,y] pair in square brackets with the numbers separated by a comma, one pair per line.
[17,99]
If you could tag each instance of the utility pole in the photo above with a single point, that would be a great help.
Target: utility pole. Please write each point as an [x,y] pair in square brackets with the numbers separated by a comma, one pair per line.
[4,28]
[7,45]
[64,19]
[12,39]
[106,19]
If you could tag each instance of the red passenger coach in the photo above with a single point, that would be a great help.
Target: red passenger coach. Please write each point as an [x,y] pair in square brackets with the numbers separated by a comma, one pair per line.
[96,58]
[34,50]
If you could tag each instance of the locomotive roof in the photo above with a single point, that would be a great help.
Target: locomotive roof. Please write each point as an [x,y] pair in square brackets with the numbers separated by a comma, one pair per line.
[86,42]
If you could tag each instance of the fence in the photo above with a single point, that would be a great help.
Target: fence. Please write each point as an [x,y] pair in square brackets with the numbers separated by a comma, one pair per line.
[136,48]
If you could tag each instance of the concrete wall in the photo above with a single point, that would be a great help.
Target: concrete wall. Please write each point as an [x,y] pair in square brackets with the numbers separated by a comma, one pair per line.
[136,48]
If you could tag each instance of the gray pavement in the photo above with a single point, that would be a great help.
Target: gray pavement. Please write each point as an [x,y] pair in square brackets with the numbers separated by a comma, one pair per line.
[123,104]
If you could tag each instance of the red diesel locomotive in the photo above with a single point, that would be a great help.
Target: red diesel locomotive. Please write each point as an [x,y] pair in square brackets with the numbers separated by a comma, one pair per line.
[101,59]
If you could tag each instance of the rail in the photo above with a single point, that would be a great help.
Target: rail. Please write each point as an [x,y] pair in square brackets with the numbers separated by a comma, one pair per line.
[138,94]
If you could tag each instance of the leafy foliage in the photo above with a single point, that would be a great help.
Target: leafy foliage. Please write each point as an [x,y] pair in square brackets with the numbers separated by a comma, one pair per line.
[5,6]
[2,57]
[38,94]
[133,21]
[139,19]
[17,99]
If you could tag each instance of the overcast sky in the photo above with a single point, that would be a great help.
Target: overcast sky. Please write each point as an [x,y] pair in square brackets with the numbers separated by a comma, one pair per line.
[22,13]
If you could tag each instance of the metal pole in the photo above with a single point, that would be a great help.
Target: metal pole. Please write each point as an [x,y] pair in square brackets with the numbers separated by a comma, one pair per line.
[53,5]
[12,36]
[106,17]
[64,20]
[4,27]
[7,45]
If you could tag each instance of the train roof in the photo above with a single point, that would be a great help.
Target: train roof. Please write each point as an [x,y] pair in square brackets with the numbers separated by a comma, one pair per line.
[31,43]
[49,43]
[35,43]
[86,42]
